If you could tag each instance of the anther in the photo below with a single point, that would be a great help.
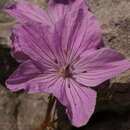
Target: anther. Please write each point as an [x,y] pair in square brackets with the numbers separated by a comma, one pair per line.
[56,61]
[66,52]
[84,71]
[78,57]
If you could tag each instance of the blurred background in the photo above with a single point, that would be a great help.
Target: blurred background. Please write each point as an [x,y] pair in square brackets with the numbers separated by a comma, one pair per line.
[21,111]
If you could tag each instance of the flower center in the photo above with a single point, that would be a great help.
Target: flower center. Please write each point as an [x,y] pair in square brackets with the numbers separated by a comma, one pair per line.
[65,71]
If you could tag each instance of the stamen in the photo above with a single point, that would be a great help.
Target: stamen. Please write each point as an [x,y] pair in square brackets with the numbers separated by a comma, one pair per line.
[67,67]
[56,61]
[65,71]
[66,52]
[78,57]
[84,71]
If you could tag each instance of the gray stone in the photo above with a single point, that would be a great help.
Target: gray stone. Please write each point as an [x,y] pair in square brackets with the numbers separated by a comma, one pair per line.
[7,109]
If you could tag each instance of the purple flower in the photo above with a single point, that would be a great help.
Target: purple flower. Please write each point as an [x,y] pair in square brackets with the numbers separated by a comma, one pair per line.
[62,59]
[72,14]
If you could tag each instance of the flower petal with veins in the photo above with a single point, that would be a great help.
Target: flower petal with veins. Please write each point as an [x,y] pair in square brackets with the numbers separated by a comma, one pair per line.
[61,54]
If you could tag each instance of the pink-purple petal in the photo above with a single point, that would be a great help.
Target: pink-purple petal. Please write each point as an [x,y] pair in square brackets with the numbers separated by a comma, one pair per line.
[47,83]
[31,79]
[34,43]
[78,33]
[59,8]
[81,103]
[16,50]
[97,66]
[27,12]
[25,72]
[87,34]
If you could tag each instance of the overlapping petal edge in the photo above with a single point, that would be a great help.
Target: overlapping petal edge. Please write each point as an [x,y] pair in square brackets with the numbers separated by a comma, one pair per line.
[27,13]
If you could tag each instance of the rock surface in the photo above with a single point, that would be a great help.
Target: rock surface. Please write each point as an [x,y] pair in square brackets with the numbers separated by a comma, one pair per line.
[20,111]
